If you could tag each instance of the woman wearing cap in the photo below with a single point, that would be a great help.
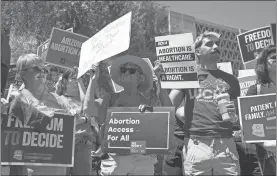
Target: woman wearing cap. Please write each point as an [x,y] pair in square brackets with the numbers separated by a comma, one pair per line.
[266,83]
[135,76]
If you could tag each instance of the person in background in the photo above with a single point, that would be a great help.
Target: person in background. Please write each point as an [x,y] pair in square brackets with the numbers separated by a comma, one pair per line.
[209,146]
[5,59]
[71,93]
[135,75]
[266,83]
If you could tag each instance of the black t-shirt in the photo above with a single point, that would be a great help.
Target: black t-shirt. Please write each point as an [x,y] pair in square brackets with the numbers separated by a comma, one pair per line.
[203,118]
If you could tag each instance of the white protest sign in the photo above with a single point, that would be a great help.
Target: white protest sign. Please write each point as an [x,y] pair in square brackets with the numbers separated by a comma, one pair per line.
[245,73]
[112,40]
[177,56]
[226,67]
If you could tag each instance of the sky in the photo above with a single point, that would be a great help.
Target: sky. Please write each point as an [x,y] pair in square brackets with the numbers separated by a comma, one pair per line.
[237,14]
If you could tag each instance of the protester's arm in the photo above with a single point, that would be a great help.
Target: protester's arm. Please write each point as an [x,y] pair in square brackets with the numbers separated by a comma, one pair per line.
[82,89]
[89,100]
[176,97]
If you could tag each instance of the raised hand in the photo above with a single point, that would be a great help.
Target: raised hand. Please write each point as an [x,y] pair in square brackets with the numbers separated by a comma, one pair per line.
[94,71]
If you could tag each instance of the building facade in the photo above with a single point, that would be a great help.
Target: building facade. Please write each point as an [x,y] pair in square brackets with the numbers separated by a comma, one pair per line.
[181,23]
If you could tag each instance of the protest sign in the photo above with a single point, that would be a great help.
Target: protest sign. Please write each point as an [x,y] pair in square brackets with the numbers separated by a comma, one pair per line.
[42,49]
[247,72]
[245,83]
[117,88]
[23,145]
[252,42]
[127,130]
[64,48]
[273,32]
[226,67]
[258,117]
[111,40]
[177,56]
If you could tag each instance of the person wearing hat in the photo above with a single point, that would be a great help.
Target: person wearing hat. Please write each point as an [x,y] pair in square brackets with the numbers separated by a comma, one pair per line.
[135,75]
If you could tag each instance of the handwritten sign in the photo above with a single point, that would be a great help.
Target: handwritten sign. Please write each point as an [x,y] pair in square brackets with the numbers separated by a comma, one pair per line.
[64,48]
[177,56]
[127,130]
[21,144]
[111,40]
[252,42]
[258,117]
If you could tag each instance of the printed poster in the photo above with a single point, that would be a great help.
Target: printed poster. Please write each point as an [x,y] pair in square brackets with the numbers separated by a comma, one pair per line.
[177,56]
[42,49]
[251,43]
[64,48]
[258,117]
[21,144]
[245,83]
[111,40]
[127,130]
[273,31]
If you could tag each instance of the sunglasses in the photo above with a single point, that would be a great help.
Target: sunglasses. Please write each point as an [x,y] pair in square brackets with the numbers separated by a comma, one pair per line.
[131,70]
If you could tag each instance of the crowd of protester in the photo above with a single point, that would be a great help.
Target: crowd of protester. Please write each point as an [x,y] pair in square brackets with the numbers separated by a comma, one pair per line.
[205,143]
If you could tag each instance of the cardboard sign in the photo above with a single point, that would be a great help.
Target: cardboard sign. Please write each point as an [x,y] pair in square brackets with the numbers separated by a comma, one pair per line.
[42,49]
[111,40]
[252,42]
[273,32]
[258,117]
[245,83]
[226,67]
[22,145]
[64,48]
[117,88]
[177,56]
[127,130]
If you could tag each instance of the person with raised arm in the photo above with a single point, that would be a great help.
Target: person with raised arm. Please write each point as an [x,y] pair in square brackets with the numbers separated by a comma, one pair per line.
[135,75]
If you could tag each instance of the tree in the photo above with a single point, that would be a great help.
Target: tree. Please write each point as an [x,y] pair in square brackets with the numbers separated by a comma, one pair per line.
[31,23]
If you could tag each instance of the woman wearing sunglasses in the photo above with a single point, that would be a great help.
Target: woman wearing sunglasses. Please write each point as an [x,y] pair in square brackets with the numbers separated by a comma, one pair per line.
[135,76]
[266,83]
[31,69]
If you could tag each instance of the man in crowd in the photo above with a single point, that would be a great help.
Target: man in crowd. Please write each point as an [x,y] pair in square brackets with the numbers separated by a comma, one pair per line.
[135,75]
[210,148]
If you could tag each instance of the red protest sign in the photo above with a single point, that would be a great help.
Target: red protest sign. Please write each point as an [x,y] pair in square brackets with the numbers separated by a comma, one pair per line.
[64,48]
[127,130]
[22,145]
[258,117]
[42,49]
[252,42]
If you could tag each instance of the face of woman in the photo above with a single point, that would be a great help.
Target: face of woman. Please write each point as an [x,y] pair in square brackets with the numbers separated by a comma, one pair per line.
[271,62]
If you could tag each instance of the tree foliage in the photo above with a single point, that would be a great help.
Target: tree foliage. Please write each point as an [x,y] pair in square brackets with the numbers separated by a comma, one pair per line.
[31,23]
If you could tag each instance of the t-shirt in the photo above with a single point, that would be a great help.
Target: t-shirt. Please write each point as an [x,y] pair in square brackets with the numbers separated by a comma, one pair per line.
[203,118]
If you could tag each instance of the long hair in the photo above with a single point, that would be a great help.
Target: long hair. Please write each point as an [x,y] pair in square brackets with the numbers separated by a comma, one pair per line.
[261,66]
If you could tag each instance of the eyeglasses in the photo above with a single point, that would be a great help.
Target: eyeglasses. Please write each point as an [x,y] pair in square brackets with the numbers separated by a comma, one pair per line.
[131,70]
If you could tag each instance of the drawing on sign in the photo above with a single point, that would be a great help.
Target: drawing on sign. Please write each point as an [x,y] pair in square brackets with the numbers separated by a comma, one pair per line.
[111,40]
[258,130]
